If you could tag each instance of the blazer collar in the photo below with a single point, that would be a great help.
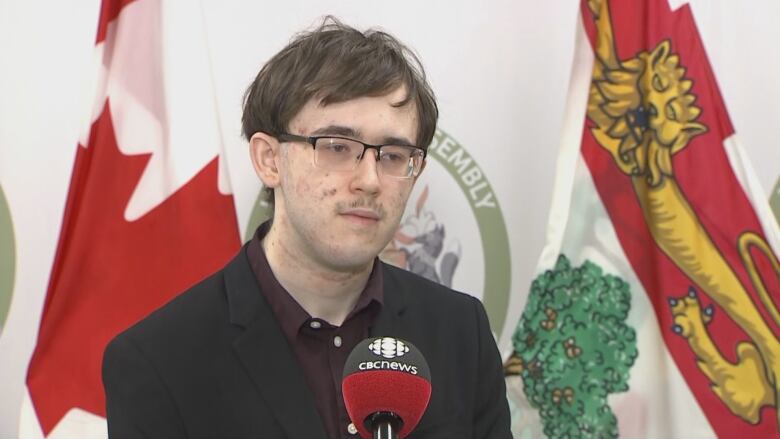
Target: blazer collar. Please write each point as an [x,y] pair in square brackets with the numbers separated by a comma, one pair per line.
[266,356]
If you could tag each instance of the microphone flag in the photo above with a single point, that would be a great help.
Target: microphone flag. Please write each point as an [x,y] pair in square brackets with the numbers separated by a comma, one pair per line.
[386,374]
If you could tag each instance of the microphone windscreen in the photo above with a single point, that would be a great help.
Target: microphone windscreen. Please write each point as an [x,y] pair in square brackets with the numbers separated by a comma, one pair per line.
[386,374]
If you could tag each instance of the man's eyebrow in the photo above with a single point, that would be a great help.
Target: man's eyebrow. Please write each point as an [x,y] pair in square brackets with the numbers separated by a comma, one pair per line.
[398,141]
[340,130]
[336,130]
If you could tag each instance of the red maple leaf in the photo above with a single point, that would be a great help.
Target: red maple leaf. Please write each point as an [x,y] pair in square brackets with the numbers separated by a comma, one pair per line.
[109,273]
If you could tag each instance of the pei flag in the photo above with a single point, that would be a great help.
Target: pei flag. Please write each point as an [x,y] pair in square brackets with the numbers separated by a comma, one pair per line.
[149,210]
[655,310]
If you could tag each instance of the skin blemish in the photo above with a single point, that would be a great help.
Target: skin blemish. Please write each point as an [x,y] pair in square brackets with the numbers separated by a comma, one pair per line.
[328,192]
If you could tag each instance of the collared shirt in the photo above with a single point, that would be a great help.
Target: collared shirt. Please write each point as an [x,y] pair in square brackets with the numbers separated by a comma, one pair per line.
[320,348]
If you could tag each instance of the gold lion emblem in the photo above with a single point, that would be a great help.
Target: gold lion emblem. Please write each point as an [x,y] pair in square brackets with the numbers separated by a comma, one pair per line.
[644,113]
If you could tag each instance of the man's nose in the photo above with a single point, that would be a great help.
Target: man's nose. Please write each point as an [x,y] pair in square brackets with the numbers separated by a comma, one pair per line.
[367,173]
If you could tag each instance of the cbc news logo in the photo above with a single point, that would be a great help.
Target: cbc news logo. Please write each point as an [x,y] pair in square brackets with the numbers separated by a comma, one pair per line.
[388,347]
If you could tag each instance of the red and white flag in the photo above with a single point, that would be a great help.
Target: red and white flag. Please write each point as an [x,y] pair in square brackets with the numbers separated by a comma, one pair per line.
[149,210]
[655,311]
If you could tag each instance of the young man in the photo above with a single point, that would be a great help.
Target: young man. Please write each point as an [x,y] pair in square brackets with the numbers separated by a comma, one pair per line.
[338,124]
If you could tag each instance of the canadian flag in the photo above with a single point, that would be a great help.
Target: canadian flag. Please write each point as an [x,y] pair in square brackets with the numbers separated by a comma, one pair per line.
[149,210]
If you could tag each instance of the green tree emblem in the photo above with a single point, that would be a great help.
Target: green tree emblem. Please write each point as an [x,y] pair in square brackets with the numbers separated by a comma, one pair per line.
[573,348]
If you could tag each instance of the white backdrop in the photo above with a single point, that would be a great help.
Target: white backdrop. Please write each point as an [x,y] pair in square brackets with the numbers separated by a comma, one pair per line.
[500,70]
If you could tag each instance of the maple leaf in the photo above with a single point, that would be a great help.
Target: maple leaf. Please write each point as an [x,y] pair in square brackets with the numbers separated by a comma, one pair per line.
[109,272]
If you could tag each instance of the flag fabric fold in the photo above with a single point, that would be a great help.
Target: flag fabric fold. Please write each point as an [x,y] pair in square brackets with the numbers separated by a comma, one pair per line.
[655,310]
[149,210]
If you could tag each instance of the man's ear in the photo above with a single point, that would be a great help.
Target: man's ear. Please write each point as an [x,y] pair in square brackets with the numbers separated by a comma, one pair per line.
[266,156]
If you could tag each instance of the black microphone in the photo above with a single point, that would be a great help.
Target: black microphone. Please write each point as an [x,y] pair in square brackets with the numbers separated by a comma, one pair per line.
[386,387]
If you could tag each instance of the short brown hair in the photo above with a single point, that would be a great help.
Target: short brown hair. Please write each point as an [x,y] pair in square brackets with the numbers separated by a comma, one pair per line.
[336,63]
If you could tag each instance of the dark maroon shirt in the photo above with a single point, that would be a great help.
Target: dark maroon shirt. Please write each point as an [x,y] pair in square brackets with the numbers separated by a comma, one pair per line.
[321,348]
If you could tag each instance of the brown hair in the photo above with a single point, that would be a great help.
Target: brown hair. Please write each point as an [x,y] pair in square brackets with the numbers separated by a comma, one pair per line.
[336,63]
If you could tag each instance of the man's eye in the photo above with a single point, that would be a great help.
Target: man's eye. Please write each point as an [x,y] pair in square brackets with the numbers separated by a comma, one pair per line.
[394,157]
[338,147]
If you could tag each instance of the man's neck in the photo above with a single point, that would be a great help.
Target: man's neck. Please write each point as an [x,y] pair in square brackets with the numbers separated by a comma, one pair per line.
[324,293]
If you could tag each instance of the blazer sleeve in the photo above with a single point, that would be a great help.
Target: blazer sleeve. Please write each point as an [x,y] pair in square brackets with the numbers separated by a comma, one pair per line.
[138,405]
[491,411]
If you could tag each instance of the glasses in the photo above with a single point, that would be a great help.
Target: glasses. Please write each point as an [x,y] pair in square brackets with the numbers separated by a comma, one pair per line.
[344,154]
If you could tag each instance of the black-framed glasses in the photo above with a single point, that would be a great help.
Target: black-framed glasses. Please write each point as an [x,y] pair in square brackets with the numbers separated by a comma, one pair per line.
[343,154]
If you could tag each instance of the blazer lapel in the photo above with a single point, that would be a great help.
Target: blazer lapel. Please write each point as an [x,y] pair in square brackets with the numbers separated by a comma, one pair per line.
[266,355]
[389,322]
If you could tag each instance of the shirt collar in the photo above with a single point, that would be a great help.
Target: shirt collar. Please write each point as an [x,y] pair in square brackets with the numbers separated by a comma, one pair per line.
[289,313]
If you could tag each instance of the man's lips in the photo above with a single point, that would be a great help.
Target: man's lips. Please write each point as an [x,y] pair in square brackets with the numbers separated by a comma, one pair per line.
[364,214]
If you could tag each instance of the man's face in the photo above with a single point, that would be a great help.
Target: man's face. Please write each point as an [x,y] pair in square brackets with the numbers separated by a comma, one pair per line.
[340,220]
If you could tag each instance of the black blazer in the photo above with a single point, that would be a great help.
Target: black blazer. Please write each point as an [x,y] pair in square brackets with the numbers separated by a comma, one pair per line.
[213,363]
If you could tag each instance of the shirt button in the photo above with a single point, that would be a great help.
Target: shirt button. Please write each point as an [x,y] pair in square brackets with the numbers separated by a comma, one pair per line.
[351,428]
[315,324]
[337,341]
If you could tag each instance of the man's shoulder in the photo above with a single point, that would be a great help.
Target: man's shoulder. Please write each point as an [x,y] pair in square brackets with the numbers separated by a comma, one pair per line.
[422,291]
[193,313]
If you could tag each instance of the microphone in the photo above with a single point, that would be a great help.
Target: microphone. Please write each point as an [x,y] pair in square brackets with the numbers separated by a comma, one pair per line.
[386,387]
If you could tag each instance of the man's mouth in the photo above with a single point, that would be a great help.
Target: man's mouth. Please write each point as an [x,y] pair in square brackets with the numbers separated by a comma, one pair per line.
[361,214]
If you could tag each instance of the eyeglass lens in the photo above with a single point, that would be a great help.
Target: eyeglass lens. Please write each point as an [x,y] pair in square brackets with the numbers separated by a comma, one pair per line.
[344,154]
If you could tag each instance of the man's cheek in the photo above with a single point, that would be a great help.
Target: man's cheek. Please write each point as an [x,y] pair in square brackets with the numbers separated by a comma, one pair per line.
[303,186]
[403,196]
[327,193]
